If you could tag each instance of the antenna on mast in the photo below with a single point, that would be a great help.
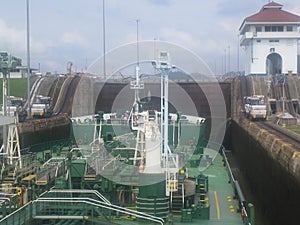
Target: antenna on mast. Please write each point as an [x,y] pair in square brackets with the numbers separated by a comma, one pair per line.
[137,43]
[137,85]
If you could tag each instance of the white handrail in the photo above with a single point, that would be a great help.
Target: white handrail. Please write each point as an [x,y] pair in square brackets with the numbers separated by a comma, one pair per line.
[104,205]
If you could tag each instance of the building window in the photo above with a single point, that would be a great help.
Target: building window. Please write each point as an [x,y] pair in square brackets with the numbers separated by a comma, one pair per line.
[273,28]
[258,41]
[274,41]
[289,28]
[258,29]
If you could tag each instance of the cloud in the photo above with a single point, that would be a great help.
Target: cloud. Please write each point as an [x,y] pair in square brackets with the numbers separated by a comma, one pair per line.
[15,41]
[204,27]
[197,44]
[12,39]
[72,39]
[177,36]
[160,2]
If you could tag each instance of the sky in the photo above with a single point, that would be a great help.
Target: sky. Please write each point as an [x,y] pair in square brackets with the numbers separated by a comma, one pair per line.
[63,31]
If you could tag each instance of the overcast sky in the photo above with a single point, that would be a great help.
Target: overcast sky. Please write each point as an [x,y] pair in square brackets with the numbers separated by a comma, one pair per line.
[71,30]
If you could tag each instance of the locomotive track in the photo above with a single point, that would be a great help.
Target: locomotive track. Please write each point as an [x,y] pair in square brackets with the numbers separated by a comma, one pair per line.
[286,135]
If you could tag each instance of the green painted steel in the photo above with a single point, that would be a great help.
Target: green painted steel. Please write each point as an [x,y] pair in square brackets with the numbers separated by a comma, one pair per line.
[252,213]
[152,198]
[78,168]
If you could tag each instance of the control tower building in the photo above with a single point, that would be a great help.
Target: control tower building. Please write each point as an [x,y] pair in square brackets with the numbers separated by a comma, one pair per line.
[270,40]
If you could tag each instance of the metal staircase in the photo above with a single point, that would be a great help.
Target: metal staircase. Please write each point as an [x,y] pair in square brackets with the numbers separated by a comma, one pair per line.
[178,199]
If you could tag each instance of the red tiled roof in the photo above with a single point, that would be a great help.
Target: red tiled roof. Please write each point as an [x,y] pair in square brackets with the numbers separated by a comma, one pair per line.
[272,12]
[273,4]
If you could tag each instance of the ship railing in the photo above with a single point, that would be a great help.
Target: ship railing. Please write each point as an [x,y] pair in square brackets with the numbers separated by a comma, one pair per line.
[2,150]
[2,170]
[16,169]
[77,191]
[53,161]
[112,161]
[237,189]
[170,164]
[51,169]
[2,153]
[22,215]
[98,160]
[44,203]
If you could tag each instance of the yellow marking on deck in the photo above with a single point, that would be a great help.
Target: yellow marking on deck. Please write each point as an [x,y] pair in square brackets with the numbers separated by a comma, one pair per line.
[229,198]
[295,155]
[217,205]
[41,182]
[285,145]
[29,177]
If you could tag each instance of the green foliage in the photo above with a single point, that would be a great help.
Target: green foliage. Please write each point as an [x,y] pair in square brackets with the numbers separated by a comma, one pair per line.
[18,87]
[294,128]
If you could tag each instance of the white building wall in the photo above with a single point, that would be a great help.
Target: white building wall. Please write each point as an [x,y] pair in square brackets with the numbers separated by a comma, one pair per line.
[259,58]
[290,52]
[13,75]
[248,61]
[257,47]
[256,55]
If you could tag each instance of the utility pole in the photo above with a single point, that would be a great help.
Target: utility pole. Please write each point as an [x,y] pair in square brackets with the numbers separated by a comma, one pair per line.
[238,54]
[28,62]
[104,44]
[225,61]
[229,58]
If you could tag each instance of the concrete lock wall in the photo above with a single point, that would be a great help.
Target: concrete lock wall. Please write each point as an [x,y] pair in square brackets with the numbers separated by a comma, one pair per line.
[273,171]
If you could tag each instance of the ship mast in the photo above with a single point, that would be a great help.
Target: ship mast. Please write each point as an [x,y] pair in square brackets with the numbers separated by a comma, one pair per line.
[169,160]
[164,66]
[137,70]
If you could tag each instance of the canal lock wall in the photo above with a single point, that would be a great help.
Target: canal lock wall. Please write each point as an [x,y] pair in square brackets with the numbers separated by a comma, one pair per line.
[271,166]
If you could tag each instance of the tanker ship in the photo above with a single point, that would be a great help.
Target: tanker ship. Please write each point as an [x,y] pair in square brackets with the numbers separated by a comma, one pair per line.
[145,165]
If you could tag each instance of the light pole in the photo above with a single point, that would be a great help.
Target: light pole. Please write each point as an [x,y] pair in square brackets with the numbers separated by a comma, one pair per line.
[229,58]
[104,44]
[238,54]
[28,62]
[225,61]
[283,95]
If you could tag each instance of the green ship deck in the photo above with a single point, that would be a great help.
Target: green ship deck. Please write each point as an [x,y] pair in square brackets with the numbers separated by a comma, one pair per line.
[221,197]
